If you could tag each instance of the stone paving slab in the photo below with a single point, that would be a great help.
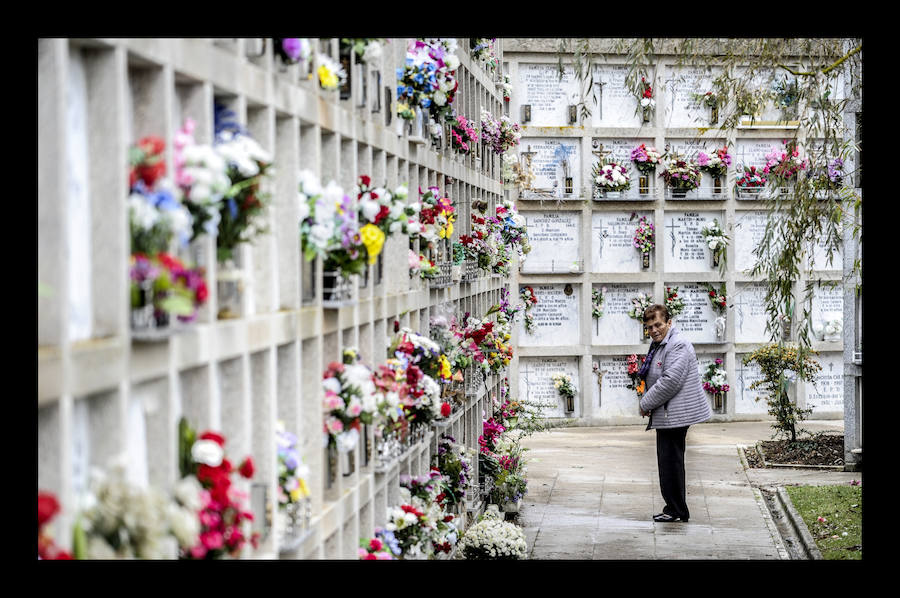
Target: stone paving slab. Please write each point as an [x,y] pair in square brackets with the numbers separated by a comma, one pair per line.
[593,492]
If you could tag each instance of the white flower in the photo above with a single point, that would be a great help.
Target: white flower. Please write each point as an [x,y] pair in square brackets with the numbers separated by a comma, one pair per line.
[347,440]
[451,61]
[187,492]
[439,98]
[309,183]
[141,212]
[207,452]
[369,208]
[372,51]
[332,384]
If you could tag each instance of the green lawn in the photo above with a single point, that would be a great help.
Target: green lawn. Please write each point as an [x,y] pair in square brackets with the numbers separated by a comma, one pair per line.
[833,515]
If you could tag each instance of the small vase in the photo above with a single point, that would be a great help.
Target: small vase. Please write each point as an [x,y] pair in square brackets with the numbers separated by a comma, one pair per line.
[715,259]
[679,193]
[645,260]
[786,330]
[350,463]
[332,464]
[647,113]
[570,404]
[717,185]
[229,290]
[644,183]
[714,115]
[718,401]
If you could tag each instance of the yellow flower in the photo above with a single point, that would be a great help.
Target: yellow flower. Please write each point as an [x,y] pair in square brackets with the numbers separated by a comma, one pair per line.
[445,367]
[373,239]
[327,78]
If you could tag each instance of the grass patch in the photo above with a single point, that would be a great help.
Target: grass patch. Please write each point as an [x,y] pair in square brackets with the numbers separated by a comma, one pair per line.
[833,515]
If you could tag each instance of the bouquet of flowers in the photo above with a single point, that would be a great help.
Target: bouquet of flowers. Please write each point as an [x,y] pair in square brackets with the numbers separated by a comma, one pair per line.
[292,471]
[647,102]
[248,167]
[507,87]
[293,50]
[428,80]
[419,524]
[417,349]
[513,229]
[224,518]
[830,177]
[349,400]
[491,538]
[454,466]
[751,178]
[173,288]
[485,244]
[368,49]
[715,378]
[644,236]
[638,305]
[201,177]
[716,164]
[632,368]
[421,265]
[509,483]
[382,547]
[597,298]
[330,73]
[154,213]
[482,47]
[708,99]
[491,430]
[562,382]
[501,134]
[716,239]
[379,206]
[674,303]
[784,164]
[463,134]
[507,312]
[435,216]
[645,158]
[48,507]
[681,174]
[610,176]
[530,300]
[717,297]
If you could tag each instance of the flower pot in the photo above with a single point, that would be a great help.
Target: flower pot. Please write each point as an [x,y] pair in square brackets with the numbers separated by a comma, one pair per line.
[142,316]
[749,192]
[570,404]
[336,290]
[720,327]
[349,463]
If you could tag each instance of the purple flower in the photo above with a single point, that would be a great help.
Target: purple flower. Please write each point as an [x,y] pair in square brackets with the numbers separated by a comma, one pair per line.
[291,47]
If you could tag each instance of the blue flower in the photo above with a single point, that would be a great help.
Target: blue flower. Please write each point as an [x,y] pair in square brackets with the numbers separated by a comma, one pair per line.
[400,91]
[399,72]
[232,207]
[425,102]
[419,78]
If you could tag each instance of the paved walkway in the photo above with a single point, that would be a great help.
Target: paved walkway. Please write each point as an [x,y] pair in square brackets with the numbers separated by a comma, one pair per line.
[592,493]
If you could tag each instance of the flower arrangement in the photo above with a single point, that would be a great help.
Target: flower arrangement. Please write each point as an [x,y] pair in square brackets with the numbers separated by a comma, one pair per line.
[453,464]
[716,164]
[292,471]
[463,134]
[377,548]
[598,296]
[201,177]
[224,518]
[647,103]
[164,281]
[379,206]
[638,305]
[831,326]
[529,298]
[562,382]
[751,178]
[513,228]
[123,521]
[155,215]
[644,236]
[491,538]
[716,240]
[485,244]
[47,508]
[786,94]
[674,303]
[435,216]
[349,400]
[717,297]
[248,167]
[715,378]
[784,164]
[633,368]
[681,174]
[507,87]
[645,158]
[610,176]
[368,49]
[502,134]
[482,48]
[293,50]
[509,484]
[419,525]
[830,177]
[330,73]
[421,265]
[427,81]
[708,99]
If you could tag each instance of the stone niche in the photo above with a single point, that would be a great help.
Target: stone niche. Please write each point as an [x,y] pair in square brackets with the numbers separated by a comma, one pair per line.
[744,397]
[611,397]
[619,151]
[826,393]
[540,88]
[556,164]
[616,327]
[681,83]
[827,304]
[616,105]
[690,149]
[612,241]
[749,228]
[555,316]
[698,320]
[536,384]
[684,248]
[749,313]
[752,152]
[555,242]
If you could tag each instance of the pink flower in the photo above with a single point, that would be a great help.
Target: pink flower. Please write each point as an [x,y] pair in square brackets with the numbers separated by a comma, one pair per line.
[212,540]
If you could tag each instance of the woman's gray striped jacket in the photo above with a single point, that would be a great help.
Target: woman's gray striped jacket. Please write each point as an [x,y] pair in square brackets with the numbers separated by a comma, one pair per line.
[675,396]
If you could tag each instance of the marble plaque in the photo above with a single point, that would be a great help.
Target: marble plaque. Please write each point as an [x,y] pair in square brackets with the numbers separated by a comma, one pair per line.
[698,320]
[763,79]
[555,317]
[750,315]
[681,109]
[684,247]
[555,239]
[553,160]
[744,397]
[619,150]
[752,152]
[690,149]
[826,393]
[827,304]
[616,327]
[748,233]
[820,260]
[616,105]
[539,86]
[611,395]
[536,384]
[612,241]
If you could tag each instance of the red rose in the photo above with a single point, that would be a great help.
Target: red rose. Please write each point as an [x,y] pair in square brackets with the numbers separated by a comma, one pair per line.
[413,375]
[382,214]
[214,436]
[446,409]
[375,544]
[202,292]
[48,506]
[365,180]
[247,468]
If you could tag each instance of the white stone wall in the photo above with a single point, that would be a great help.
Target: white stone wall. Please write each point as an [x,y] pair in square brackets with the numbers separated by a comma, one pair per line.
[102,394]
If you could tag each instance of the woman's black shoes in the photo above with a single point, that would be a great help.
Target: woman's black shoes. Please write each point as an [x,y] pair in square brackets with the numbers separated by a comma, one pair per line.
[666,518]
